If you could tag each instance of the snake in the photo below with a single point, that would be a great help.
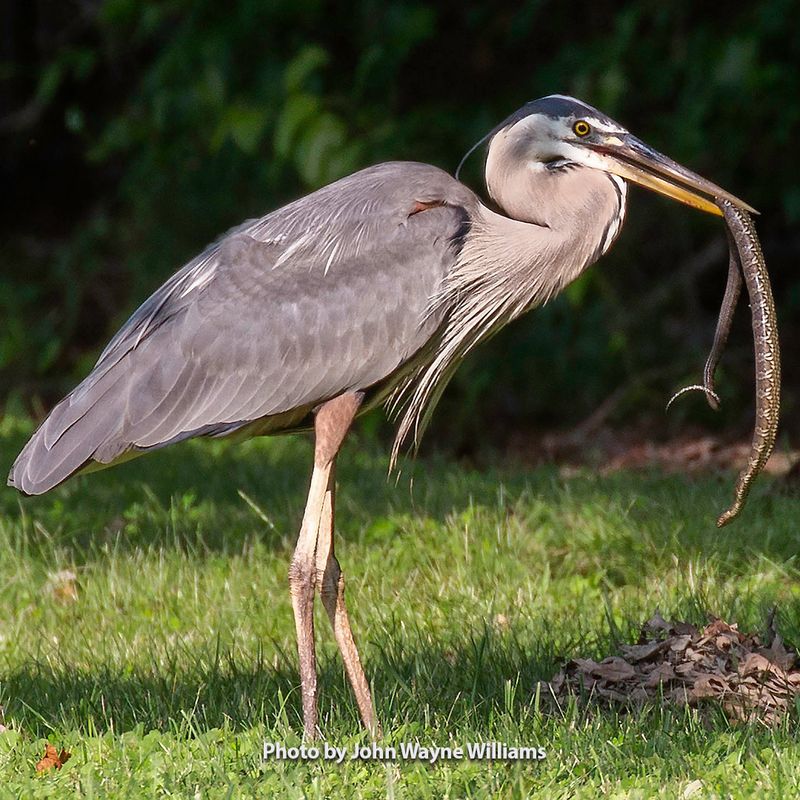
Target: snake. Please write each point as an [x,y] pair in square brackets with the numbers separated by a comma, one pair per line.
[733,289]
[746,264]
[767,351]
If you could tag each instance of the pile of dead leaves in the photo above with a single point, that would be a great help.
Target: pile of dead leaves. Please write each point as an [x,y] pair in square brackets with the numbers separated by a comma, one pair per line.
[676,662]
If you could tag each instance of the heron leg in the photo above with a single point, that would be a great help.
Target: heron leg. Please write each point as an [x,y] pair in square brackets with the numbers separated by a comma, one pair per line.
[302,578]
[331,586]
[331,423]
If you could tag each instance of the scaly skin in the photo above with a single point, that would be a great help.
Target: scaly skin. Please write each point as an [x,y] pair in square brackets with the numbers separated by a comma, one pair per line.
[767,350]
[732,291]
[729,301]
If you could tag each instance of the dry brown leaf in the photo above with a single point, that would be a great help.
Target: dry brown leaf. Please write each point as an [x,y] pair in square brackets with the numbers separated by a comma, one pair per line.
[62,586]
[586,665]
[657,623]
[614,669]
[679,695]
[679,643]
[52,758]
[708,685]
[778,654]
[642,652]
[663,673]
[750,690]
[718,626]
[613,694]
[557,682]
[683,629]
[755,663]
[725,641]
[638,695]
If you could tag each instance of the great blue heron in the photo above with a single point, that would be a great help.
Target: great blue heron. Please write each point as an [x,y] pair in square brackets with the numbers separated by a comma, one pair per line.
[370,290]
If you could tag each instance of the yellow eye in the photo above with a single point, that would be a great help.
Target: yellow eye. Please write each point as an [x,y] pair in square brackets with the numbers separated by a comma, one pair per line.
[581,128]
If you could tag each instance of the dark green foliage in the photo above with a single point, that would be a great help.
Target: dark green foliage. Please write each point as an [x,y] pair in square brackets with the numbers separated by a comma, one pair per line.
[134,133]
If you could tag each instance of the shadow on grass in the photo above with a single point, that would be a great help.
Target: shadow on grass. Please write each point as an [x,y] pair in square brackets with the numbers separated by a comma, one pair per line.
[465,681]
[475,682]
[467,684]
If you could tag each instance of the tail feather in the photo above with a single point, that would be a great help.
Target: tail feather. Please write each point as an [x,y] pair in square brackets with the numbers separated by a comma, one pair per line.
[76,403]
[76,433]
[117,414]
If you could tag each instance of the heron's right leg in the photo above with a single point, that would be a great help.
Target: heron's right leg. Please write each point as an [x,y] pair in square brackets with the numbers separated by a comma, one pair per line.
[331,588]
[302,583]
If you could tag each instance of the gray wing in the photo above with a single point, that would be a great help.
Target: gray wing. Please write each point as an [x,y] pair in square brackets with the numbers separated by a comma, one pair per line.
[325,295]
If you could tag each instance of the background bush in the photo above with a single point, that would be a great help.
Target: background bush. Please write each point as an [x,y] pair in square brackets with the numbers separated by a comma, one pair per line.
[134,133]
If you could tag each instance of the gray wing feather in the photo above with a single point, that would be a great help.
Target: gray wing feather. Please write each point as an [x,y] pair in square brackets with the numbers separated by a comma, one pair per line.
[326,295]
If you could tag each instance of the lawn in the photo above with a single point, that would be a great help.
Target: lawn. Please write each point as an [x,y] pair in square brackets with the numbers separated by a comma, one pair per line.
[176,660]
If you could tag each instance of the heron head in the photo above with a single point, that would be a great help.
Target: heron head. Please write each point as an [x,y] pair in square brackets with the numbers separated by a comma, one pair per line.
[556,131]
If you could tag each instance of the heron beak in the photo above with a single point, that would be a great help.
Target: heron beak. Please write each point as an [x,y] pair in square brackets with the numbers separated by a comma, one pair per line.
[632,159]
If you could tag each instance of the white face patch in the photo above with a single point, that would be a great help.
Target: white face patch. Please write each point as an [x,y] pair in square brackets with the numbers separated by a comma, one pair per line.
[604,126]
[540,138]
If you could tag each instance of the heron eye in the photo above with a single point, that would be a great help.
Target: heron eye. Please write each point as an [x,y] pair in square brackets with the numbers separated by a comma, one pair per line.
[581,128]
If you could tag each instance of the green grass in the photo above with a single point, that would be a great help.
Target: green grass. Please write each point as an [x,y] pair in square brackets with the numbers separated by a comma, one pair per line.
[177,660]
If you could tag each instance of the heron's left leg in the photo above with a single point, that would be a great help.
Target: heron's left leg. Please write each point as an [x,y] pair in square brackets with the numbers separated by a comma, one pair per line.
[331,423]
[332,420]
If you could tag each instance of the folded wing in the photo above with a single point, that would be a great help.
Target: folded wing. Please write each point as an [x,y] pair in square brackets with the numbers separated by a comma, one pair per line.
[325,295]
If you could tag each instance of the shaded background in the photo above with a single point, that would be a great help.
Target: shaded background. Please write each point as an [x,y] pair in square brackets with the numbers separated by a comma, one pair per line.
[131,134]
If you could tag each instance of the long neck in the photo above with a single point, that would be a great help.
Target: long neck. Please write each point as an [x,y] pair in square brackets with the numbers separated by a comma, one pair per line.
[555,224]
[556,221]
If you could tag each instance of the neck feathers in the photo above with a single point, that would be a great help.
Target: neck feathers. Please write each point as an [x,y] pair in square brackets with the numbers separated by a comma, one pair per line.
[557,221]
[558,217]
